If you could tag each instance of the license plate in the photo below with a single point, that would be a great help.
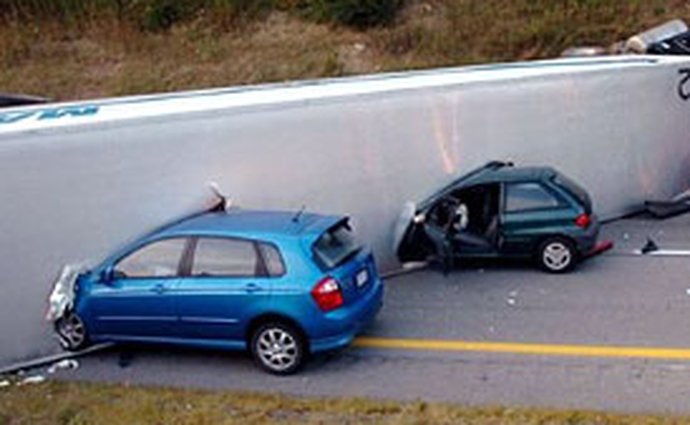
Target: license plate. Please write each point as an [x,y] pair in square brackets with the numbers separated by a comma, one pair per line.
[362,278]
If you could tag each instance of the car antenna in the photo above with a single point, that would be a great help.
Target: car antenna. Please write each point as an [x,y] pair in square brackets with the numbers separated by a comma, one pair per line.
[297,216]
[224,203]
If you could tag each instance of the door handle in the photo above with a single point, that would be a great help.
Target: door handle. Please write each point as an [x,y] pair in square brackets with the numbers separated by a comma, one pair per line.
[252,287]
[158,289]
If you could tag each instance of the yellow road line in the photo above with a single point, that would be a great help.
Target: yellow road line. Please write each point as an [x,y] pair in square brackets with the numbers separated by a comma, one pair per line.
[530,349]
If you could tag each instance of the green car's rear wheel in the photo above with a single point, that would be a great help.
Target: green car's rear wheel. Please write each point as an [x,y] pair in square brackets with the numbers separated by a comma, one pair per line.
[557,255]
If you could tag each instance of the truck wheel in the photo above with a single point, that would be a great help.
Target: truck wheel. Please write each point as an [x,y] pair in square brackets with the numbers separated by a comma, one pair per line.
[278,348]
[557,255]
[72,332]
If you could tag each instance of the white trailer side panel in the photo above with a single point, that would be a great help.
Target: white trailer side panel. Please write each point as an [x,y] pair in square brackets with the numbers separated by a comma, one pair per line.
[77,180]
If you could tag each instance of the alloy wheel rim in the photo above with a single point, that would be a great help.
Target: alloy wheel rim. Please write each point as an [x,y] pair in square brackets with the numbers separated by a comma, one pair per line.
[72,330]
[557,256]
[277,349]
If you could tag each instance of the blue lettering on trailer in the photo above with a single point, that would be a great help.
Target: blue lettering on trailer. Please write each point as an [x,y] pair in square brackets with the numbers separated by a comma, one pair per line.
[49,114]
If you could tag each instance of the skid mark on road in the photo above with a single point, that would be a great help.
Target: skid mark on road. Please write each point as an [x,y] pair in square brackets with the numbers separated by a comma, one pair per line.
[526,349]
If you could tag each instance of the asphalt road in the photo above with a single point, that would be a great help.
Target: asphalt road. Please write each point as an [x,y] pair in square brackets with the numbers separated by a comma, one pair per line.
[619,299]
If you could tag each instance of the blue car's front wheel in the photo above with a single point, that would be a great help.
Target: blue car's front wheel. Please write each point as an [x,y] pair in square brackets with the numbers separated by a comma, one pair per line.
[72,332]
[278,348]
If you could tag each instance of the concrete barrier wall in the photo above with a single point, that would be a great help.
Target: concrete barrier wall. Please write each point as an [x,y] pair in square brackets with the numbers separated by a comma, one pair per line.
[78,180]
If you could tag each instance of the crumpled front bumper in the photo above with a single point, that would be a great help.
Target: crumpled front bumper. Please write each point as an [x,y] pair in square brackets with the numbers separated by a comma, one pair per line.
[62,296]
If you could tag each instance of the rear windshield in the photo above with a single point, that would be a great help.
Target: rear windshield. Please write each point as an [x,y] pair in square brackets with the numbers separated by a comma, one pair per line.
[336,246]
[574,188]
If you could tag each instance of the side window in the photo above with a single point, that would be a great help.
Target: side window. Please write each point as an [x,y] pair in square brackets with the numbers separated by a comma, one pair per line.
[225,257]
[528,196]
[275,266]
[155,260]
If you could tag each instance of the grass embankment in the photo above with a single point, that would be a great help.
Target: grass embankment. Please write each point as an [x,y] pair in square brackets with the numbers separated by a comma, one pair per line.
[94,54]
[72,403]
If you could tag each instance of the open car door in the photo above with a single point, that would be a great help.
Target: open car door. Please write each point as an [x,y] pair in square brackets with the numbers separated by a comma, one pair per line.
[410,241]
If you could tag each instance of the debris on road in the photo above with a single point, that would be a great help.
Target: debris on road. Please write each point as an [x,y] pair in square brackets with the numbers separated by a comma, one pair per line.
[34,379]
[5,383]
[649,246]
[66,364]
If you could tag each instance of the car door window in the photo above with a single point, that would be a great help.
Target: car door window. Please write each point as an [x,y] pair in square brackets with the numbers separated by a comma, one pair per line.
[275,266]
[226,257]
[528,196]
[155,260]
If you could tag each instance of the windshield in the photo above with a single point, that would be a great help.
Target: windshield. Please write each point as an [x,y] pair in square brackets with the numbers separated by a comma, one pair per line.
[336,246]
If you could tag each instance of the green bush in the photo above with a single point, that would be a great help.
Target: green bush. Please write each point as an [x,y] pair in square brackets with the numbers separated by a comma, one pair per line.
[355,13]
[160,15]
[363,13]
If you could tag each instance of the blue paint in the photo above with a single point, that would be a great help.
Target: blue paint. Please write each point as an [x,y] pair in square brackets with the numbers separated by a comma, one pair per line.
[49,114]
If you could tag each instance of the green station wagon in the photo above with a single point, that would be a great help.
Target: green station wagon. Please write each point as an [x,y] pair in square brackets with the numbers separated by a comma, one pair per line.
[500,210]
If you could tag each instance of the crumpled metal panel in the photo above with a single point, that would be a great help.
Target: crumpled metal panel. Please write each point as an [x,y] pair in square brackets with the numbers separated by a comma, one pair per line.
[62,296]
[78,180]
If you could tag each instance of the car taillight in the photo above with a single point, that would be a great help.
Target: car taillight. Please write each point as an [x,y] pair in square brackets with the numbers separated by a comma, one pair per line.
[583,221]
[327,294]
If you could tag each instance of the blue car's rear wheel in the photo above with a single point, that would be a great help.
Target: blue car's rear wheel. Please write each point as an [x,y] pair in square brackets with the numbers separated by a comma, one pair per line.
[278,348]
[72,332]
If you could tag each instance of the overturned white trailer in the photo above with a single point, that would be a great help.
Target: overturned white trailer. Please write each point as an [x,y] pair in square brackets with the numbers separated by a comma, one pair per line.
[78,179]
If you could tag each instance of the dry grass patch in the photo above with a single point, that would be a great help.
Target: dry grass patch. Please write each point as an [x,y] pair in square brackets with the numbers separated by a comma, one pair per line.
[103,56]
[81,403]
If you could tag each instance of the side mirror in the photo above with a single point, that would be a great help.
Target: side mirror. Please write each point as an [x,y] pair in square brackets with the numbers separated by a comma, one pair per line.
[109,274]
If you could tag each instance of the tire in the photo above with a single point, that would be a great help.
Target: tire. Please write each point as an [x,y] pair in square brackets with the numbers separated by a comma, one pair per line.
[278,348]
[72,332]
[557,255]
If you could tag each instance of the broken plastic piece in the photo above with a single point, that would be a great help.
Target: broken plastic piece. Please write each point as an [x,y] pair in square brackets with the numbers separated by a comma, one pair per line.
[650,246]
[66,364]
[35,379]
[599,248]
[224,203]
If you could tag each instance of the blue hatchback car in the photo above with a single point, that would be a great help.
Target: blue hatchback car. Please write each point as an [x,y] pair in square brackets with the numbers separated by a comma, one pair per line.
[280,284]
